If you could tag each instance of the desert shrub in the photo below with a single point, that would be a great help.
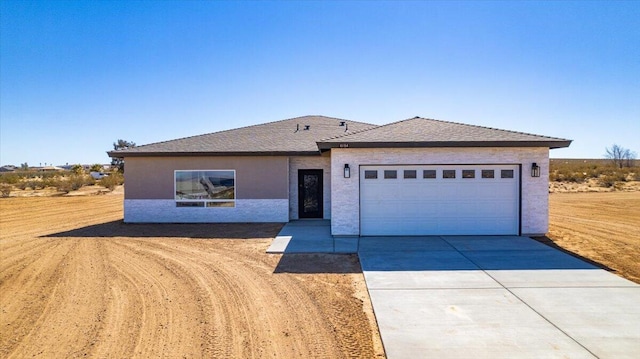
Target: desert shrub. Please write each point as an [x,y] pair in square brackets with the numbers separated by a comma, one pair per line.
[610,179]
[89,181]
[63,185]
[49,182]
[5,189]
[9,178]
[606,181]
[22,185]
[48,175]
[34,184]
[30,174]
[112,180]
[574,170]
[70,183]
[77,169]
[577,177]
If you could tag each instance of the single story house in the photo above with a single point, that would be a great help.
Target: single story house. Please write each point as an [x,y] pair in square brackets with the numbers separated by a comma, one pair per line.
[8,168]
[413,177]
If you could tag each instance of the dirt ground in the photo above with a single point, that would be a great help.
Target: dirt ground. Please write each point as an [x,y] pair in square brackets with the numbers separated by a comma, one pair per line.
[603,227]
[592,185]
[75,281]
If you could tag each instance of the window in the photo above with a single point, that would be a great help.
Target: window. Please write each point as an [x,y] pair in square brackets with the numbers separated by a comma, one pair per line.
[506,173]
[390,174]
[409,173]
[468,173]
[429,174]
[207,188]
[487,174]
[449,174]
[370,174]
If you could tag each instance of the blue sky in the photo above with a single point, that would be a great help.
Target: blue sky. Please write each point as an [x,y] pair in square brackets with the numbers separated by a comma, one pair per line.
[76,76]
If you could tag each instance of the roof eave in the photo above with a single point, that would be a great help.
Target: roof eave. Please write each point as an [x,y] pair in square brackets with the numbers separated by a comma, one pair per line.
[550,144]
[115,154]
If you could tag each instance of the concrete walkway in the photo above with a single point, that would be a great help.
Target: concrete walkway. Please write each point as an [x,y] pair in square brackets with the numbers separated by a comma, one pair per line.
[311,236]
[496,297]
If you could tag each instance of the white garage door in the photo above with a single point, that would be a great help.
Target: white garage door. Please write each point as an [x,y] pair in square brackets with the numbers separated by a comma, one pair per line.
[439,200]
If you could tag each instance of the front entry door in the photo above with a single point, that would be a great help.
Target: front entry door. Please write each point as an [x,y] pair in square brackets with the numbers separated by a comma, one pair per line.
[310,194]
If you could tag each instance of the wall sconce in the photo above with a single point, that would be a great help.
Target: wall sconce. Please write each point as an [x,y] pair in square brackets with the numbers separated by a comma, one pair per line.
[347,171]
[535,170]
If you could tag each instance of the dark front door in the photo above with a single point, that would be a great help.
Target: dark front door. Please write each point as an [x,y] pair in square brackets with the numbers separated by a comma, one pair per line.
[310,193]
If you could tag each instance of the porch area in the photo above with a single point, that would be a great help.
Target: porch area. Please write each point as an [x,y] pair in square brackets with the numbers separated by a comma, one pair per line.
[311,236]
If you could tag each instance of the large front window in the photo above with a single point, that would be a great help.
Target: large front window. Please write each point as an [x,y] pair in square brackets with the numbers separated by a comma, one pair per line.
[205,188]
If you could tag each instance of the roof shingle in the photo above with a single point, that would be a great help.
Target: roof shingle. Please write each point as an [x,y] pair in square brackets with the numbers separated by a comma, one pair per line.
[286,137]
[422,132]
[308,135]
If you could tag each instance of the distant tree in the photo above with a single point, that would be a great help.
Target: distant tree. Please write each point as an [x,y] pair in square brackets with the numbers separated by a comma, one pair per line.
[118,162]
[77,169]
[620,156]
[96,168]
[24,166]
[630,158]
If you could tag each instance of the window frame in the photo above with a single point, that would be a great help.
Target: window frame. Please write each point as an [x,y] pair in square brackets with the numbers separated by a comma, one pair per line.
[204,202]
[486,172]
[389,173]
[406,174]
[511,173]
[446,172]
[430,171]
[368,172]
[468,174]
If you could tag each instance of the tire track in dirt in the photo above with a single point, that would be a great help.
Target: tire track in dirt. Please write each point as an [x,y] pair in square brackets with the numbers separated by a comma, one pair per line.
[116,338]
[141,296]
[243,305]
[233,311]
[28,297]
[154,315]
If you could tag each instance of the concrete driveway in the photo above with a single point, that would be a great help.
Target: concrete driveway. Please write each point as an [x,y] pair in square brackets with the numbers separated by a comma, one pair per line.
[496,297]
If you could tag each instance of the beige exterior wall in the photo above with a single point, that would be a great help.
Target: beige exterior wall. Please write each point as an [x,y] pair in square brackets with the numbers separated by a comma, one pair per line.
[257,177]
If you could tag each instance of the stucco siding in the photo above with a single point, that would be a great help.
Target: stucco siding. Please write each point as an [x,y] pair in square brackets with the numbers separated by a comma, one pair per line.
[308,162]
[257,177]
[345,192]
[245,210]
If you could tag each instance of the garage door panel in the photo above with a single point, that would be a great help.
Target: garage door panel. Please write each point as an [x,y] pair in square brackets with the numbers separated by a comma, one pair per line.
[448,189]
[432,206]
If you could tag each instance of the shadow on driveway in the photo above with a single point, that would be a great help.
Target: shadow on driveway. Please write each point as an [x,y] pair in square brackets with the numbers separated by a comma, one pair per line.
[466,253]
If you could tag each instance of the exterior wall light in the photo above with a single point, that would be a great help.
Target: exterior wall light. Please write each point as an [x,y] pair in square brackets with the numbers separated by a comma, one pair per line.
[535,170]
[347,171]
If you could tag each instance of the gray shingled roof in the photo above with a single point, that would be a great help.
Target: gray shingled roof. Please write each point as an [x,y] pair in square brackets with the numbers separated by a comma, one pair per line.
[286,137]
[289,137]
[422,132]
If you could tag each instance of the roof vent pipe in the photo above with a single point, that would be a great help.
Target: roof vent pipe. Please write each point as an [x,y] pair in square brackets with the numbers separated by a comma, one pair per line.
[306,127]
[346,128]
[297,127]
